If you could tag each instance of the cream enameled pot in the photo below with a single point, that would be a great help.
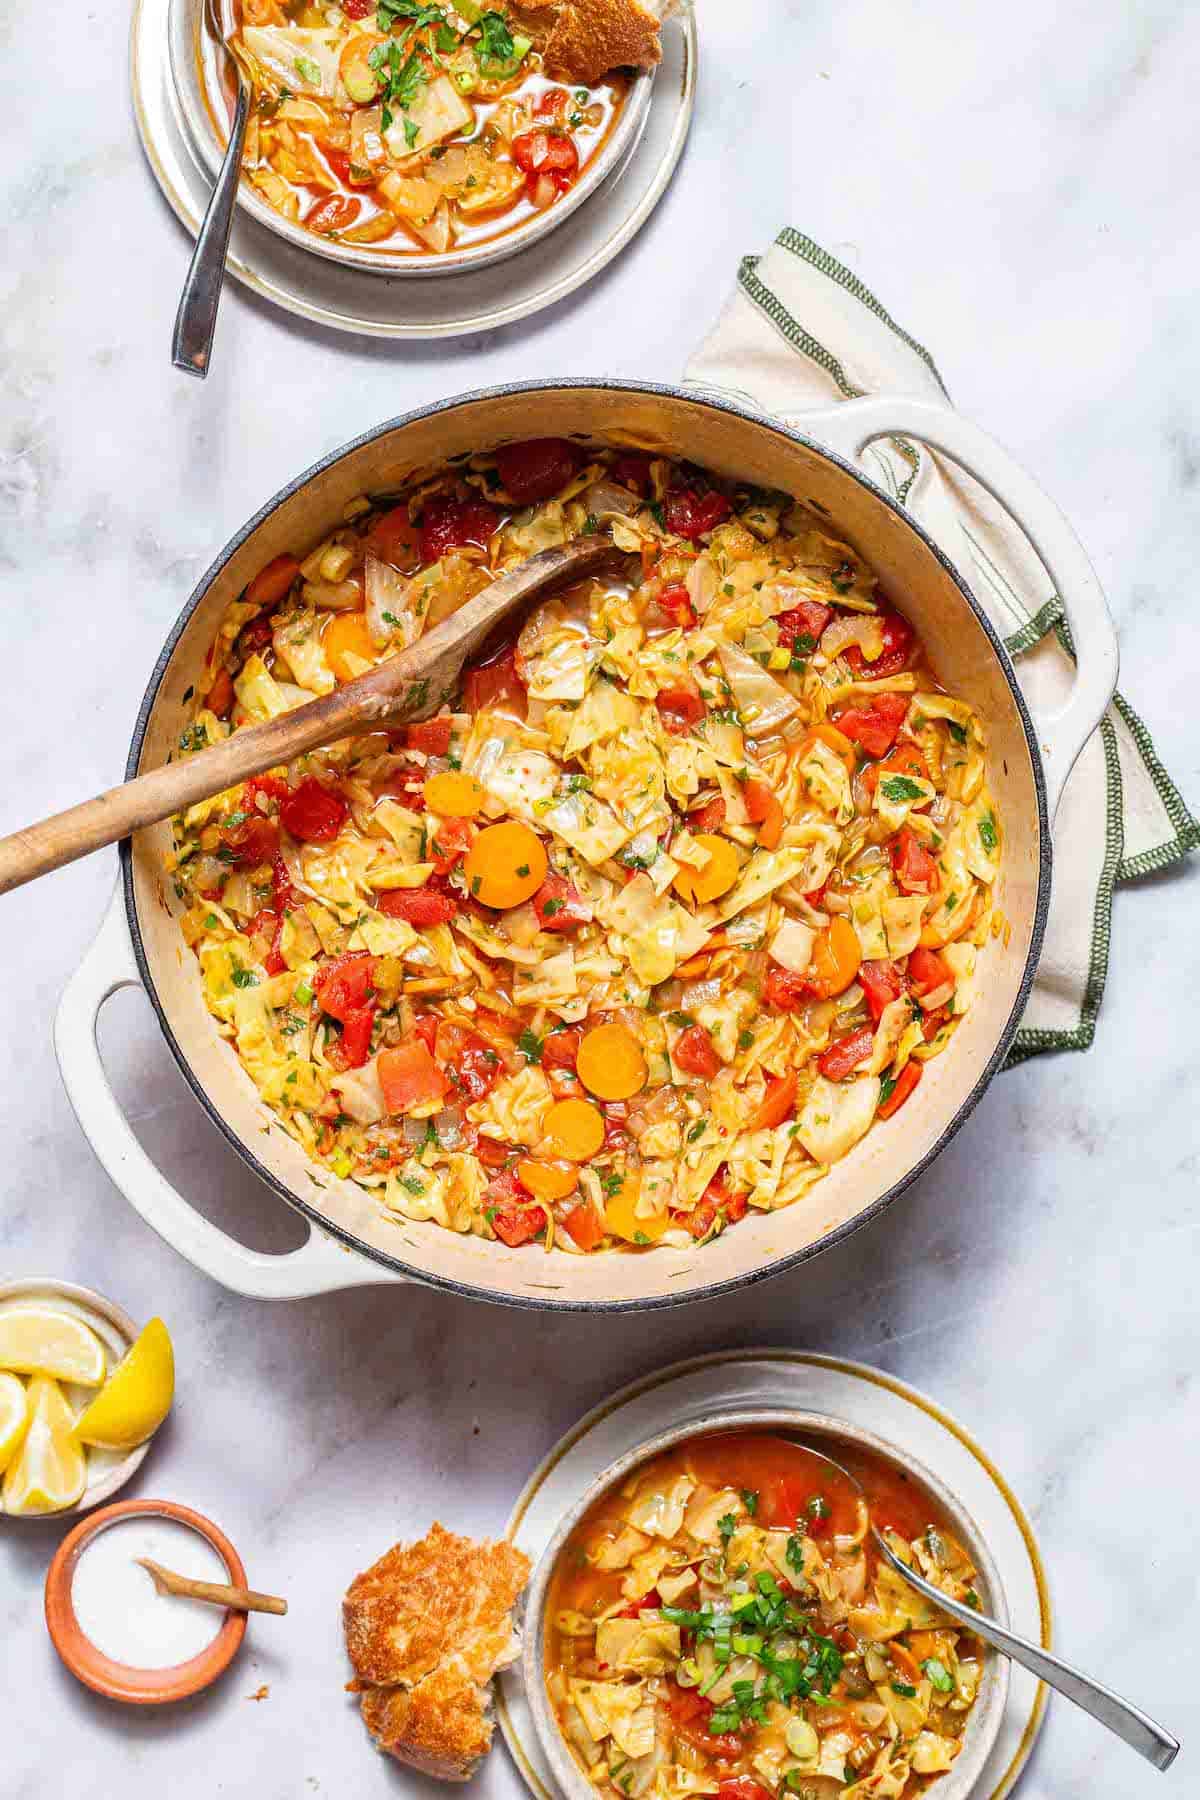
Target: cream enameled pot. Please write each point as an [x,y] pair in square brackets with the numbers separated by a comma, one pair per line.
[352,1241]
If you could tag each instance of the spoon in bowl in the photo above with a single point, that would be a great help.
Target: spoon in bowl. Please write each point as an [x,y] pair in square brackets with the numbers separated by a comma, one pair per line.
[408,686]
[1120,1716]
[196,319]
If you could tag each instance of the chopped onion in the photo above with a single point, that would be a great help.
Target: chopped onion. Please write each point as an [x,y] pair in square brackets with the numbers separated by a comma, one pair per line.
[545,193]
[864,630]
[700,993]
[607,497]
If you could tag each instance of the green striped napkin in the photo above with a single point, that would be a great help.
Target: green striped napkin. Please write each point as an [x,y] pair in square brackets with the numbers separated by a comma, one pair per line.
[800,330]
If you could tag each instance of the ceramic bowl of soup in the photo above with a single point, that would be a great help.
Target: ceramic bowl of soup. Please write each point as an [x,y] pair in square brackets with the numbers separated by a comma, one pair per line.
[713,1607]
[400,151]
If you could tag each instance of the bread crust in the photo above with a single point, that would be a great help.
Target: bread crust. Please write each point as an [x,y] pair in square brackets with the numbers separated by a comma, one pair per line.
[426,1628]
[587,38]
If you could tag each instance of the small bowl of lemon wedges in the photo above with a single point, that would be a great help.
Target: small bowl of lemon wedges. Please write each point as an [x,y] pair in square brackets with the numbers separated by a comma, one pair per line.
[82,1392]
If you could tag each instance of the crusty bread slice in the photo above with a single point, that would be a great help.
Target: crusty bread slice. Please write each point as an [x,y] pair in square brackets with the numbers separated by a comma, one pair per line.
[581,40]
[427,1626]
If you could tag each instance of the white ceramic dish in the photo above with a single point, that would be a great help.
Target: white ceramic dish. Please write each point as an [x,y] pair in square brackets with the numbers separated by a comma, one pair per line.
[1028,765]
[715,1391]
[347,299]
[107,1470]
[983,1725]
[195,80]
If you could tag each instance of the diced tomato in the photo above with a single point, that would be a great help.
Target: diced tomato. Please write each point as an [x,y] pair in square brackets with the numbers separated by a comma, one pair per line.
[689,514]
[491,1153]
[845,1054]
[933,1023]
[763,809]
[346,172]
[914,868]
[906,1081]
[450,844]
[472,1066]
[495,684]
[560,906]
[800,627]
[395,539]
[273,583]
[632,471]
[904,759]
[881,982]
[550,153]
[335,213]
[694,1053]
[876,726]
[418,906]
[431,735]
[676,602]
[254,636]
[560,1048]
[447,524]
[410,1078]
[648,1603]
[743,1788]
[709,817]
[927,970]
[358,9]
[680,708]
[344,984]
[898,638]
[538,468]
[784,989]
[313,813]
[717,1198]
[426,1028]
[583,1227]
[252,840]
[555,103]
[352,1049]
[616,1131]
[777,1101]
[513,1224]
[220,696]
[272,787]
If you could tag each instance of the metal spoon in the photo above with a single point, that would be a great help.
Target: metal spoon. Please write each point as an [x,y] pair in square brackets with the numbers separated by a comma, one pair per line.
[196,320]
[1127,1721]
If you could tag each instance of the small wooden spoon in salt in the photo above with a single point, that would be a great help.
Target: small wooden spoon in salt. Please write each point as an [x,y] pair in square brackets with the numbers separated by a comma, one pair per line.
[216,1593]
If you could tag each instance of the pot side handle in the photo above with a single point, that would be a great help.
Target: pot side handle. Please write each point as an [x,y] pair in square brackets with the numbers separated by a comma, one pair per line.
[853,424]
[318,1267]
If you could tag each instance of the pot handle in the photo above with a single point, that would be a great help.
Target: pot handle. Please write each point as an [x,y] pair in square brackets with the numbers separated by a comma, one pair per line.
[318,1267]
[850,426]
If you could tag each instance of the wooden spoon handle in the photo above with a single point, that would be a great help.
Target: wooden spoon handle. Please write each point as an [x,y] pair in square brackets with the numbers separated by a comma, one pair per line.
[407,686]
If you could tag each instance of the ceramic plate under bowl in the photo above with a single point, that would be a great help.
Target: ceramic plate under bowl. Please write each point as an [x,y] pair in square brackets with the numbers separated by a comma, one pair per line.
[375,305]
[703,1392]
[108,1470]
[197,88]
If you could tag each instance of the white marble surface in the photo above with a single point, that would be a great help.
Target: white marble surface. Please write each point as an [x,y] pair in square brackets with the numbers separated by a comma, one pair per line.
[1014,182]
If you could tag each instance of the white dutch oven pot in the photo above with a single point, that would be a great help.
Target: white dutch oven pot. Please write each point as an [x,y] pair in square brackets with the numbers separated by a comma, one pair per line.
[352,1241]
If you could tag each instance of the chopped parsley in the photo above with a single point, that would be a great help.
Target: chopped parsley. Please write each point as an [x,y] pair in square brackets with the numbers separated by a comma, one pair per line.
[957,732]
[530,1046]
[939,1675]
[899,788]
[244,978]
[987,832]
[750,1500]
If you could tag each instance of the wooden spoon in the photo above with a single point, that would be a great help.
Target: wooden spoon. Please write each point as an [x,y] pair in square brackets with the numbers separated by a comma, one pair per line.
[214,1593]
[410,685]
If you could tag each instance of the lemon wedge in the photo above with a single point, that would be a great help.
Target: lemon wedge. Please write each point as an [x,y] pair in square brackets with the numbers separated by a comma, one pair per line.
[137,1396]
[14,1417]
[49,1471]
[36,1340]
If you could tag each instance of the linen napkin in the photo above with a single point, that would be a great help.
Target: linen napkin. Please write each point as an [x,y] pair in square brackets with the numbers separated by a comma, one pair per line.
[801,330]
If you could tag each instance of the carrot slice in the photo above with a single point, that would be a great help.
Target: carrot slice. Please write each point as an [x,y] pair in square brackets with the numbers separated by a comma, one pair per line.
[905,1082]
[836,959]
[346,636]
[453,794]
[506,865]
[610,1063]
[584,1227]
[547,1180]
[718,875]
[623,1220]
[573,1130]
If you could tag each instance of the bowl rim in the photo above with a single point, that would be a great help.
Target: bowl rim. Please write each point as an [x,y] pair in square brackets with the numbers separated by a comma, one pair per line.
[988,1713]
[184,26]
[30,1287]
[777,1265]
[124,1681]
